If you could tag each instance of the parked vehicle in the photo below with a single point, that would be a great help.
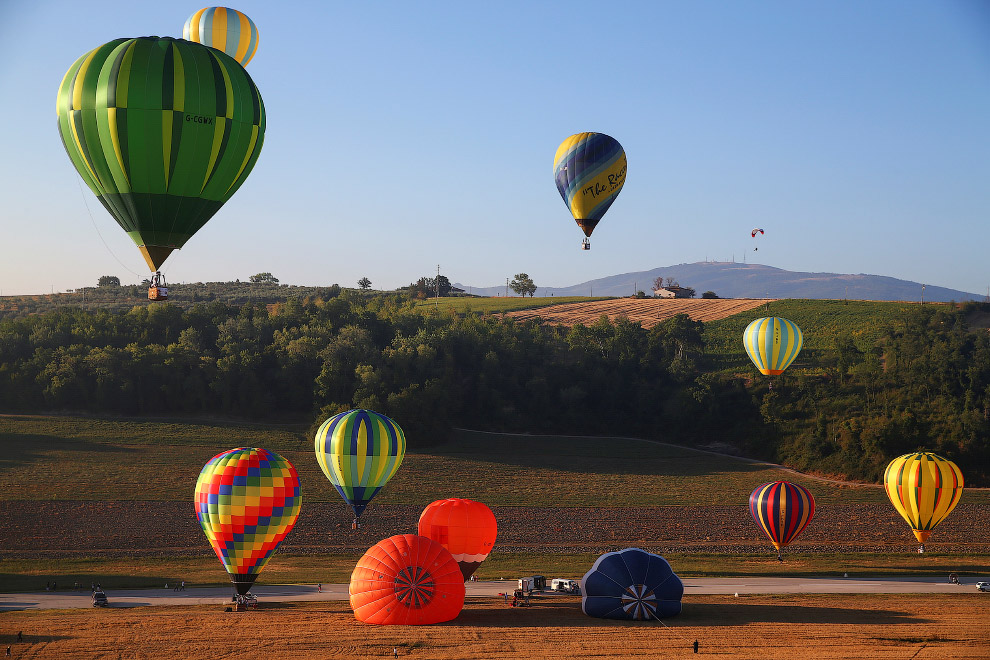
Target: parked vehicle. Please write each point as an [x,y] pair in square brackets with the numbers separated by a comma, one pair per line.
[565,585]
[983,586]
[100,599]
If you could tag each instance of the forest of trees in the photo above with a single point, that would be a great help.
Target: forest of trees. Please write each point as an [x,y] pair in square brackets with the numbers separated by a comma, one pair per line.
[925,384]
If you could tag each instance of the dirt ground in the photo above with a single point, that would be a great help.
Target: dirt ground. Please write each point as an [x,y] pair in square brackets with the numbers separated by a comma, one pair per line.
[765,627]
[31,529]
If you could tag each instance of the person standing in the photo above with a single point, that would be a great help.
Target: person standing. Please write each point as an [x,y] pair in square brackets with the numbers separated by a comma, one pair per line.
[319,587]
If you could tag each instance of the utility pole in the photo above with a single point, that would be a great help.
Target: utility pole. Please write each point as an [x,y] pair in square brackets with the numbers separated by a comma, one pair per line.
[922,294]
[507,287]
[437,305]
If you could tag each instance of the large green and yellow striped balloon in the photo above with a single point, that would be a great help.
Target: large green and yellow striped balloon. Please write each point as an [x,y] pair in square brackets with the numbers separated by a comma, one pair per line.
[359,451]
[772,343]
[924,488]
[163,131]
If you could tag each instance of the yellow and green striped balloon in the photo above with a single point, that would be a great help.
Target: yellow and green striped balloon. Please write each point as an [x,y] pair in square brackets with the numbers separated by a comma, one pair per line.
[924,488]
[772,343]
[163,131]
[225,29]
[359,451]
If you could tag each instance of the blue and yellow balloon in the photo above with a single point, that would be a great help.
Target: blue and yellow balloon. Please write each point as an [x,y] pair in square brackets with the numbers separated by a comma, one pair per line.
[590,170]
[224,29]
[772,343]
[359,451]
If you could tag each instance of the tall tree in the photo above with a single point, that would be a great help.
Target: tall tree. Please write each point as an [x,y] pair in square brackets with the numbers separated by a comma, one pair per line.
[263,278]
[109,280]
[364,283]
[523,285]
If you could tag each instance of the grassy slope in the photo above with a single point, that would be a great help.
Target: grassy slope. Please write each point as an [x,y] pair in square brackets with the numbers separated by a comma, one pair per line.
[76,458]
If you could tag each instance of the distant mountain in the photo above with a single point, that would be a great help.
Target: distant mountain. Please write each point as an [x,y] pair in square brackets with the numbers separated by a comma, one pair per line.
[736,280]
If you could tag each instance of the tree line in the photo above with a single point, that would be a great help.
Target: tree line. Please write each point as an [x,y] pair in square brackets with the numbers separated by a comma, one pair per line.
[926,383]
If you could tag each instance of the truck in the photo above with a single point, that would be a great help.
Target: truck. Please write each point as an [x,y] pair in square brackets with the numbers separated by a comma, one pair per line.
[565,585]
[532,583]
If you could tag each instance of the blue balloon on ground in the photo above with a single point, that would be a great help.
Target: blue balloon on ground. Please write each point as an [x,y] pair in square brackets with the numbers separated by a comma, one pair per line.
[633,585]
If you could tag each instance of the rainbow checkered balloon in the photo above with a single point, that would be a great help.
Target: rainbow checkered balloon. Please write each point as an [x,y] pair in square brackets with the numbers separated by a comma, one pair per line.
[247,501]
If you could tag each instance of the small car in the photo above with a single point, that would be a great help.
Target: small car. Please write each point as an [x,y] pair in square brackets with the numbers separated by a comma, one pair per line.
[100,599]
[983,586]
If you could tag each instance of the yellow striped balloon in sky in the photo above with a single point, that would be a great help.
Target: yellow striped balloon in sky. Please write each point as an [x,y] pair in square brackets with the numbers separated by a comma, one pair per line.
[359,451]
[772,344]
[924,488]
[224,29]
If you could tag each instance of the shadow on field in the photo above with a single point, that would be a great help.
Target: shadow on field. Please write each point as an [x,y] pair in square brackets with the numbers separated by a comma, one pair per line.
[594,455]
[20,449]
[569,614]
[732,614]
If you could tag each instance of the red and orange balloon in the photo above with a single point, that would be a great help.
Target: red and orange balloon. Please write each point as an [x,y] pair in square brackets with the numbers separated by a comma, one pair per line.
[406,580]
[465,527]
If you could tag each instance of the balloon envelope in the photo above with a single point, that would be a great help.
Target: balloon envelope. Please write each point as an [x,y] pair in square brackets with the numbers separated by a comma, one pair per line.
[359,451]
[772,343]
[782,510]
[163,131]
[590,170]
[247,501]
[924,488]
[225,29]
[465,527]
[406,580]
[631,584]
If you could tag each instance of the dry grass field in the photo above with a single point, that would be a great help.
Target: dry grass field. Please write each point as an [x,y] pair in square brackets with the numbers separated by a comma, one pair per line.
[766,627]
[647,311]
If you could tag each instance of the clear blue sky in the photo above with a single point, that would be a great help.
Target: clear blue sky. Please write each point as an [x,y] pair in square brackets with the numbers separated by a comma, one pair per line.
[403,135]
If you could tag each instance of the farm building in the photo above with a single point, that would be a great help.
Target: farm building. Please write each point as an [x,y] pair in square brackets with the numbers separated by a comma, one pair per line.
[673,292]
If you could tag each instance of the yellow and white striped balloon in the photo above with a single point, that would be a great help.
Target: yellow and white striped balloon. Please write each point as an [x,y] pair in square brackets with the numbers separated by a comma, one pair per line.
[924,488]
[224,29]
[772,343]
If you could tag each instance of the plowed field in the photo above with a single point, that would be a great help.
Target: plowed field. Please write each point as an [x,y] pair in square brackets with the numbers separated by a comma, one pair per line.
[766,627]
[647,311]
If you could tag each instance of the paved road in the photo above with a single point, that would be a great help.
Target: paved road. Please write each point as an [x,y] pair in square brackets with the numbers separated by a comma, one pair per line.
[302,593]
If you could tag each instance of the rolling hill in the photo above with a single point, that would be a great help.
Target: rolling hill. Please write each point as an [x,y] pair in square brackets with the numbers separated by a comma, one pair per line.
[737,280]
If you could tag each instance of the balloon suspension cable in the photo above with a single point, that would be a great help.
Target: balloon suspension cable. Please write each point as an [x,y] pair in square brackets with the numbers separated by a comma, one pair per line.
[98,233]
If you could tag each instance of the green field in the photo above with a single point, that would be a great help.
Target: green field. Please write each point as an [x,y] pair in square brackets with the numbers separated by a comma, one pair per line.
[77,458]
[822,322]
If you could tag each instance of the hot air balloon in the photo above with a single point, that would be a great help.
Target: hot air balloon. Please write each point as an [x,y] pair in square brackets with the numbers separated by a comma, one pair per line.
[224,29]
[782,510]
[359,451]
[924,488]
[163,131]
[631,584]
[465,527]
[772,344]
[247,501]
[406,580]
[589,169]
